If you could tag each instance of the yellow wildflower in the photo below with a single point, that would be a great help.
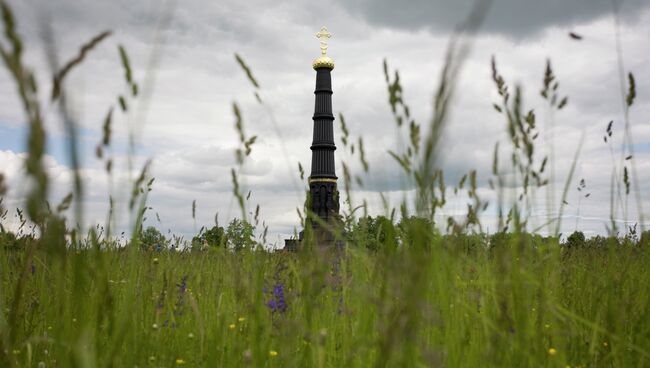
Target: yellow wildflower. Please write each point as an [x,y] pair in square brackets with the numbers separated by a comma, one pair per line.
[241,319]
[552,351]
[273,353]
[180,362]
[232,326]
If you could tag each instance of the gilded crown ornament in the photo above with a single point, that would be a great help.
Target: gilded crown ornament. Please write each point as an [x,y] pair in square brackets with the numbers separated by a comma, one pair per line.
[323,61]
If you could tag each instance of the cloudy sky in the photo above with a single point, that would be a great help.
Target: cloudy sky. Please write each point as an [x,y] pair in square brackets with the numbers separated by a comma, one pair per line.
[182,54]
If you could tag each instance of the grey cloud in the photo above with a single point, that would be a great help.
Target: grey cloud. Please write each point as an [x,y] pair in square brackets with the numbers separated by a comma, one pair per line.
[513,18]
[207,155]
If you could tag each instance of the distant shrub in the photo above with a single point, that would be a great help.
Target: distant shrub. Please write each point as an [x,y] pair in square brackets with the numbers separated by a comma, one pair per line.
[598,242]
[373,233]
[214,237]
[644,240]
[416,232]
[467,243]
[575,240]
[239,234]
[524,241]
[152,239]
[10,241]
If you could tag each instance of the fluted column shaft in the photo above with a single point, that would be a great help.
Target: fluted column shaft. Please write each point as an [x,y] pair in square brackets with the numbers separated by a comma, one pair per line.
[322,181]
[323,147]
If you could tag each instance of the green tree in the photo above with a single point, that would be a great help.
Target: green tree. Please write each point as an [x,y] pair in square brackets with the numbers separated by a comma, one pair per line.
[416,231]
[373,233]
[575,240]
[239,234]
[214,237]
[151,238]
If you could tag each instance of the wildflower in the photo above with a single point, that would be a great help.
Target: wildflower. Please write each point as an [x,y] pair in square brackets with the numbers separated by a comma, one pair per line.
[180,362]
[232,326]
[605,344]
[155,260]
[154,326]
[182,286]
[241,319]
[273,353]
[552,351]
[277,302]
[190,336]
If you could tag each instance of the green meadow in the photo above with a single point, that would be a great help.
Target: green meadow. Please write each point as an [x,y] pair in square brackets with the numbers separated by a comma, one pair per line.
[522,302]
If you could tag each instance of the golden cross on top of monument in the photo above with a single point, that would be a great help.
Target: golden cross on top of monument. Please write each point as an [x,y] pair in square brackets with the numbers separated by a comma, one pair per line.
[323,35]
[323,61]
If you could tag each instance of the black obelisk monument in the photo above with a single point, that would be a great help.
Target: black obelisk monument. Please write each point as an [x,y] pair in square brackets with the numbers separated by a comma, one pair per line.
[323,198]
[323,192]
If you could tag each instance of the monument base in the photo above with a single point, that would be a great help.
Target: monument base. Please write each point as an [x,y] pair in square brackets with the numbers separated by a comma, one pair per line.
[322,239]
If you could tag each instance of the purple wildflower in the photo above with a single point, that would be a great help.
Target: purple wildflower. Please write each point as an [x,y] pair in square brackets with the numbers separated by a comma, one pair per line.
[180,301]
[182,286]
[277,302]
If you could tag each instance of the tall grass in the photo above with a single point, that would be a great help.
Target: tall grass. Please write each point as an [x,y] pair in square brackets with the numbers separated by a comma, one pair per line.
[455,304]
[402,292]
